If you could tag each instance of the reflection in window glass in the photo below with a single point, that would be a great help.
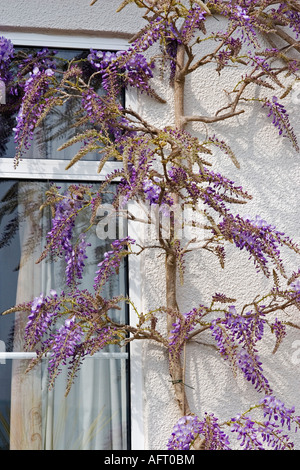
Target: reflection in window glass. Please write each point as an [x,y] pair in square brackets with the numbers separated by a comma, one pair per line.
[94,415]
[58,127]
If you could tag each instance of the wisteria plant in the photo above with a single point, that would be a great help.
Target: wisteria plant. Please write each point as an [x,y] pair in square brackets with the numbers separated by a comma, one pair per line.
[166,168]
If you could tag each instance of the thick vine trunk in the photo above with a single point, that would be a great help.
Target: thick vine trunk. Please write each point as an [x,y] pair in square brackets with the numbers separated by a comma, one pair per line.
[176,368]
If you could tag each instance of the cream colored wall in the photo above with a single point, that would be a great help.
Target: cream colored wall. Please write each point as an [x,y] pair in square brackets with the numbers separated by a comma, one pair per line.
[65,16]
[269,171]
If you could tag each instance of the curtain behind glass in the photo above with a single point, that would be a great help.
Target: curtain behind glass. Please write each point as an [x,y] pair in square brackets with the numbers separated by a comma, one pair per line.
[26,419]
[94,415]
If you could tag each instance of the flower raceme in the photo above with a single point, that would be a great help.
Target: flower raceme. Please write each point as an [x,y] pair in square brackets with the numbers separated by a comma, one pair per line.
[61,240]
[111,261]
[236,337]
[243,431]
[136,71]
[76,260]
[262,240]
[6,51]
[33,105]
[67,327]
[43,313]
[280,119]
[6,56]
[64,345]
[189,428]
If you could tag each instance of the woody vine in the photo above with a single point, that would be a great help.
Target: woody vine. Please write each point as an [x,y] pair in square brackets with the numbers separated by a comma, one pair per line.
[164,168]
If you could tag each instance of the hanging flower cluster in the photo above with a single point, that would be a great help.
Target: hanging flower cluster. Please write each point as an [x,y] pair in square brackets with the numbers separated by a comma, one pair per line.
[78,326]
[76,260]
[189,429]
[6,55]
[111,261]
[236,337]
[6,76]
[43,60]
[280,120]
[249,433]
[32,108]
[136,71]
[260,239]
[290,18]
[105,118]
[43,312]
[60,237]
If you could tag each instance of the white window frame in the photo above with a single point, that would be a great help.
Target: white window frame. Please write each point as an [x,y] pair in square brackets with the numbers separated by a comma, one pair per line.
[87,171]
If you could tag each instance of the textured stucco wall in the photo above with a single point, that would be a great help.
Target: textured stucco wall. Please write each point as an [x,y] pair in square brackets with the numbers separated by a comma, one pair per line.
[269,171]
[65,16]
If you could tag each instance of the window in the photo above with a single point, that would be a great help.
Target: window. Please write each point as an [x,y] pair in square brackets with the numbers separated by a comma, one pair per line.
[97,412]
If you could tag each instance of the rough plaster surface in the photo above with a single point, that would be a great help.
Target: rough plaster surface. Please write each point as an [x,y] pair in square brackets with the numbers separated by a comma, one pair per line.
[64,16]
[269,171]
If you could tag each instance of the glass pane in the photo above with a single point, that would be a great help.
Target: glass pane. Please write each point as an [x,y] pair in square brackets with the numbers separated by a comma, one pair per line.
[56,129]
[92,417]
[30,415]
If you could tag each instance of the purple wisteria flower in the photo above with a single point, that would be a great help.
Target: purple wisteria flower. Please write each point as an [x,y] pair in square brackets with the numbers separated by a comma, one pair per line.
[31,109]
[251,366]
[280,120]
[131,69]
[288,16]
[44,312]
[150,35]
[279,329]
[251,433]
[236,336]
[6,52]
[239,16]
[67,327]
[152,191]
[6,76]
[184,432]
[98,112]
[42,60]
[212,188]
[136,182]
[257,434]
[64,344]
[193,20]
[189,428]
[295,290]
[274,408]
[111,261]
[246,433]
[76,261]
[62,241]
[131,65]
[262,240]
